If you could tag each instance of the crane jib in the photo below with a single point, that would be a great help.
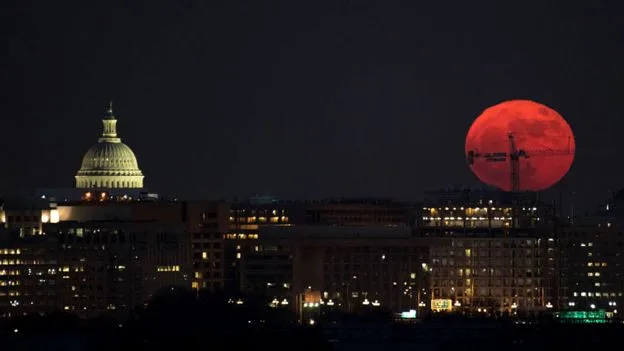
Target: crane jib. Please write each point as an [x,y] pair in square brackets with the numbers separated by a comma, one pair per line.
[495,157]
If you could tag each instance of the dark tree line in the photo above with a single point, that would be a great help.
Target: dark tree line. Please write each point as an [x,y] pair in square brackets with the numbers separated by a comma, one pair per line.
[174,318]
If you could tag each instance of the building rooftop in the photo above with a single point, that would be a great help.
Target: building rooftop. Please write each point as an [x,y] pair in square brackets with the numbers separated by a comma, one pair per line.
[322,231]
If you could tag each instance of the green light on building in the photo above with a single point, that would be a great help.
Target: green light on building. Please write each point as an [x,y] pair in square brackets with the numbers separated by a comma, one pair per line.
[583,317]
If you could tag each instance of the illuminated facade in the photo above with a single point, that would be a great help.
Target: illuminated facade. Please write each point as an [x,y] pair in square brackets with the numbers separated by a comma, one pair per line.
[109,163]
[491,256]
[28,219]
[496,274]
[458,217]
[591,268]
[28,274]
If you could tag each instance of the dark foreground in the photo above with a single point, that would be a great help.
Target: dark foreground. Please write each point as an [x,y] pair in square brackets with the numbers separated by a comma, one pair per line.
[180,321]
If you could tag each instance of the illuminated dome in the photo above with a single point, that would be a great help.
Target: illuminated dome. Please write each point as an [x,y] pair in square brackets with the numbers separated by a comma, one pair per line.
[109,163]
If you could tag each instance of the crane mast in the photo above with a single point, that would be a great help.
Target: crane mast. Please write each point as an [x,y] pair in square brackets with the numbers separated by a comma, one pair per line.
[514,163]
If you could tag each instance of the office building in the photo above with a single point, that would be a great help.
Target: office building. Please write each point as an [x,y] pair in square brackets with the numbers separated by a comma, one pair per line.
[492,255]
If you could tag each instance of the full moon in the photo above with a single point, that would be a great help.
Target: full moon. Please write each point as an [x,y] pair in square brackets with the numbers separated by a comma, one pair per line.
[539,131]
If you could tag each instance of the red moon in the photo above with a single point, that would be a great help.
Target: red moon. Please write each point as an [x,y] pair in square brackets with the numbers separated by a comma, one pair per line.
[538,130]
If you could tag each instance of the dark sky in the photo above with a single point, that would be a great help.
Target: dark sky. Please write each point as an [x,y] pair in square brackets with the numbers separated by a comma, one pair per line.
[301,99]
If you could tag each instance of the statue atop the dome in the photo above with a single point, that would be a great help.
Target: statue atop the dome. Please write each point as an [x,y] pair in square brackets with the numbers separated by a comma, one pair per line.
[110,110]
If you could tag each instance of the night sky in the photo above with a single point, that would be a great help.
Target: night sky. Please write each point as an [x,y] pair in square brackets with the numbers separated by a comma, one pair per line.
[302,99]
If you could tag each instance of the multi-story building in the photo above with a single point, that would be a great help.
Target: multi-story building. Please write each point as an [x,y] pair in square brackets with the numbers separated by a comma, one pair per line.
[348,267]
[591,268]
[245,221]
[491,254]
[28,273]
[498,274]
[248,219]
[208,224]
[103,242]
[591,259]
[114,266]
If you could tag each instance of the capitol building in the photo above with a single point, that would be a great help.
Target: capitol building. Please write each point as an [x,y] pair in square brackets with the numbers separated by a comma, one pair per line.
[109,163]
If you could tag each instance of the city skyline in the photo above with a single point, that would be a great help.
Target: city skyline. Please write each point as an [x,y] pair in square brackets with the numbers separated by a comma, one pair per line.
[331,175]
[368,101]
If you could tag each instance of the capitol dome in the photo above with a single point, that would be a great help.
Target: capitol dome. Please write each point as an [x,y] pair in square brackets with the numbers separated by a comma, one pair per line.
[109,163]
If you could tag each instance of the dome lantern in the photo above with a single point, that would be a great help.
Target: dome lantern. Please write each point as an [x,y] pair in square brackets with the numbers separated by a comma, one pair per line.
[109,124]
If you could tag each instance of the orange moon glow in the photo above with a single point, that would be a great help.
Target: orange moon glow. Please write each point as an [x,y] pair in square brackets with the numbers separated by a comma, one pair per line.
[538,130]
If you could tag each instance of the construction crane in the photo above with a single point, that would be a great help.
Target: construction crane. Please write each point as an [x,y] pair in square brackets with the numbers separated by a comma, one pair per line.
[515,155]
